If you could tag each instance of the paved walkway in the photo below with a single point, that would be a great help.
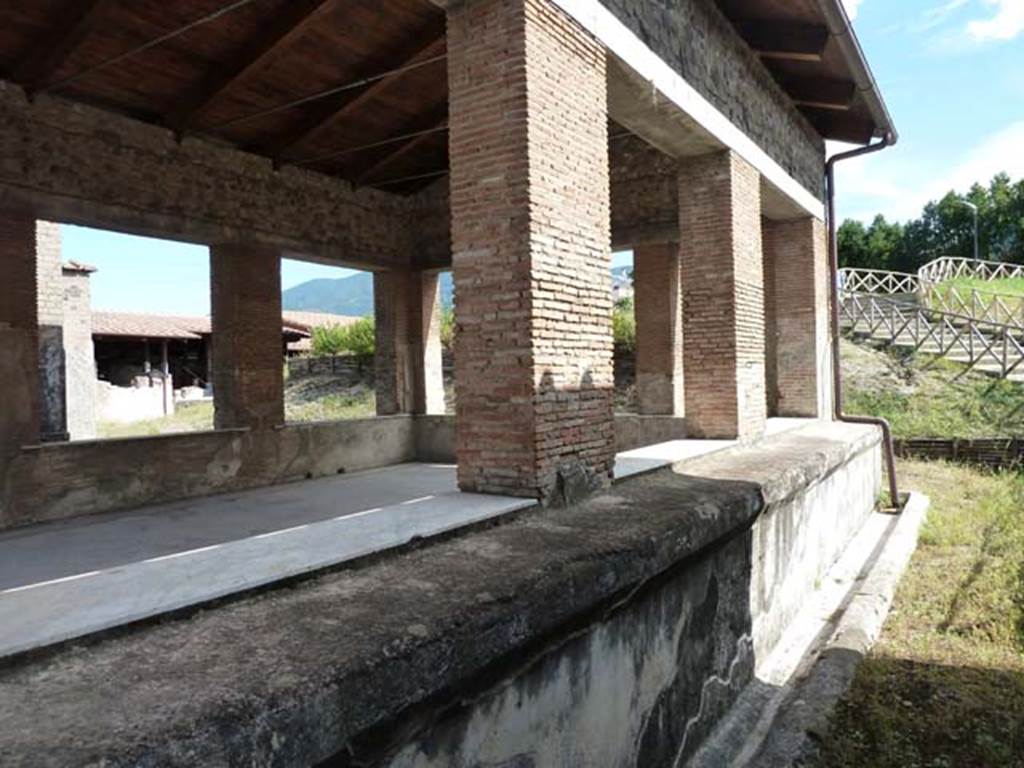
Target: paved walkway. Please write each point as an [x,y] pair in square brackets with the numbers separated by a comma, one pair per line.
[63,580]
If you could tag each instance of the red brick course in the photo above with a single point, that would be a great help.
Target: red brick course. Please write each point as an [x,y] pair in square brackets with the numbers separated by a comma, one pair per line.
[796,299]
[407,363]
[530,235]
[659,331]
[248,370]
[723,296]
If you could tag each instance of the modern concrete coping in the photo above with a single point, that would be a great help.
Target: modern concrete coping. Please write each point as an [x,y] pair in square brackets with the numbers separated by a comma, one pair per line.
[293,676]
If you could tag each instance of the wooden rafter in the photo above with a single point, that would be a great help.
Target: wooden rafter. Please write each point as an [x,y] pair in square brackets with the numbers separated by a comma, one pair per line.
[821,92]
[841,126]
[336,110]
[274,37]
[785,39]
[77,19]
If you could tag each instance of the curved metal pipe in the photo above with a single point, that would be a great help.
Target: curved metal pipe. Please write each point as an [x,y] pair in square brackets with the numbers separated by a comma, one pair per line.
[833,261]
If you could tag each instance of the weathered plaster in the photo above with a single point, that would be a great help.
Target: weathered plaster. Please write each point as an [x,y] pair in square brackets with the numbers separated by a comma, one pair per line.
[425,657]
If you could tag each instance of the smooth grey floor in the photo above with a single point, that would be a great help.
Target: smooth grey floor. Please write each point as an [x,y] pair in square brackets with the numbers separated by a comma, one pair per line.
[64,580]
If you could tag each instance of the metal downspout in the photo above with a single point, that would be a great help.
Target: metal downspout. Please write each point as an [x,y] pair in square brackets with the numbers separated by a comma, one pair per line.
[833,260]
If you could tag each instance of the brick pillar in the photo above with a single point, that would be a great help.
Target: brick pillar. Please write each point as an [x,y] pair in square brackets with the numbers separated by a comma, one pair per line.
[407,363]
[20,404]
[54,402]
[659,329]
[796,298]
[248,353]
[723,296]
[531,255]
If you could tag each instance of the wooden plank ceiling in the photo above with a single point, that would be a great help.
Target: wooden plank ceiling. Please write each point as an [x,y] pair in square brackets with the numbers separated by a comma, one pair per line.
[351,88]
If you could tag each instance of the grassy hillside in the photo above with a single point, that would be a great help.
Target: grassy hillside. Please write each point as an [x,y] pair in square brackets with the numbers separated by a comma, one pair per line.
[923,396]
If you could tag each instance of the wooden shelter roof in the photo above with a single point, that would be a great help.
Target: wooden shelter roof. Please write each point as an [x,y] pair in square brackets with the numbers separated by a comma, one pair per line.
[352,88]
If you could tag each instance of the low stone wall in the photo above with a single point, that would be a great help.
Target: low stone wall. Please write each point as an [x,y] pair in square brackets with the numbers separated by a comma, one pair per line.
[613,633]
[994,452]
[62,480]
[55,481]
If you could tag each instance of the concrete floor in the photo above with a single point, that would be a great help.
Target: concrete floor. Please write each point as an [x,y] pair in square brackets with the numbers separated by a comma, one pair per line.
[64,580]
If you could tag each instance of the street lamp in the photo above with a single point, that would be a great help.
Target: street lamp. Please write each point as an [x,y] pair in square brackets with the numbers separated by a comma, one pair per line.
[974,210]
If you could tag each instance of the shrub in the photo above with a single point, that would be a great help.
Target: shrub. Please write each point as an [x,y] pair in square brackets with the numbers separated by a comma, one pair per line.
[624,325]
[448,328]
[358,338]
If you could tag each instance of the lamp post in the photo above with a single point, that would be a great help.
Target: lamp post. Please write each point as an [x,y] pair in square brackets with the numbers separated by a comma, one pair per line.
[974,210]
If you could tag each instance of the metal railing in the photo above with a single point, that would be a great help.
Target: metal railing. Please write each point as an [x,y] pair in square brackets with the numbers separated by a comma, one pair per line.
[994,347]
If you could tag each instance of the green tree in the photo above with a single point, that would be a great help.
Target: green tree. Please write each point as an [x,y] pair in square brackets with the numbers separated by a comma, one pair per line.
[944,228]
[358,338]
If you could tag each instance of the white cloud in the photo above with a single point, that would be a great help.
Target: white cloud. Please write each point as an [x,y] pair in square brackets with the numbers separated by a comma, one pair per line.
[1006,24]
[934,17]
[852,6]
[869,185]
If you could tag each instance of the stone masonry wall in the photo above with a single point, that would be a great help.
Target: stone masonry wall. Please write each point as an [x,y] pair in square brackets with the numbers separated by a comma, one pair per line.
[73,163]
[644,193]
[530,232]
[699,42]
[797,301]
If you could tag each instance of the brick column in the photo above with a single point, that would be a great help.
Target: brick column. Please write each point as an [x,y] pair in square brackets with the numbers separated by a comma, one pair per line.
[530,237]
[248,353]
[54,402]
[659,329]
[19,334]
[796,298]
[723,296]
[407,364]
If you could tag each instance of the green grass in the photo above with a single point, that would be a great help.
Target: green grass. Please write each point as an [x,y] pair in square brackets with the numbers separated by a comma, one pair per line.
[922,396]
[189,418]
[1010,292]
[1008,286]
[944,686]
[360,403]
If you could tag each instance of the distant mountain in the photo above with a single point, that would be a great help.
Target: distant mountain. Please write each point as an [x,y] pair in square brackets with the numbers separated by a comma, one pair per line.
[352,295]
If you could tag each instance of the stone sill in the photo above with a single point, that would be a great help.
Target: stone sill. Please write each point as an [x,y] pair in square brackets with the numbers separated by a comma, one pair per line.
[294,675]
[72,444]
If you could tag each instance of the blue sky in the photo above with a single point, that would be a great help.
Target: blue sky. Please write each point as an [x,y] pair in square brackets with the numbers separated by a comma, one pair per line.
[951,71]
[952,74]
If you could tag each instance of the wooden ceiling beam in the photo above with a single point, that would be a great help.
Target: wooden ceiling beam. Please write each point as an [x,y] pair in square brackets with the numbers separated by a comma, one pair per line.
[275,36]
[821,92]
[795,41]
[840,126]
[402,150]
[77,19]
[330,114]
